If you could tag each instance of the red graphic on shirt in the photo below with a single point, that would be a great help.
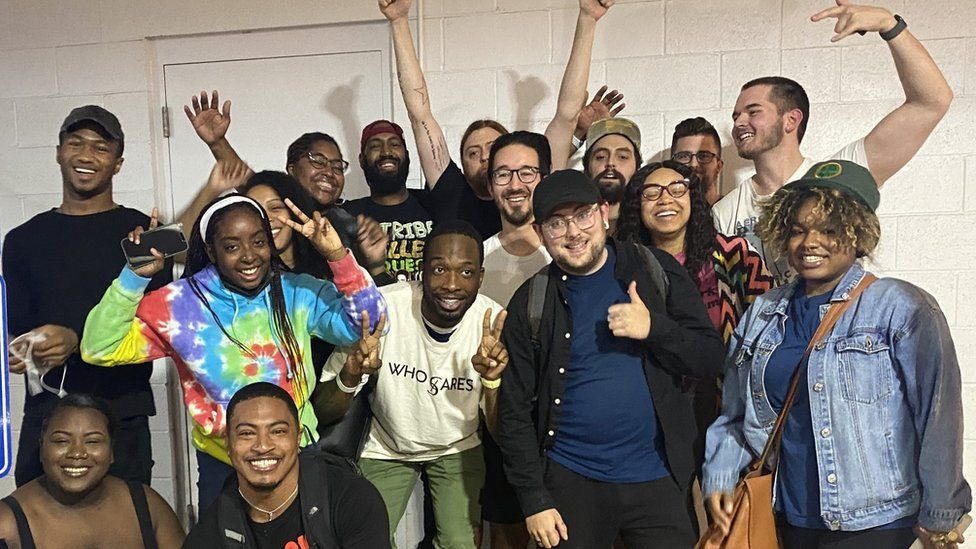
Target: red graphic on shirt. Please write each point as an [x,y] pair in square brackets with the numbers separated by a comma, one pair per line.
[300,543]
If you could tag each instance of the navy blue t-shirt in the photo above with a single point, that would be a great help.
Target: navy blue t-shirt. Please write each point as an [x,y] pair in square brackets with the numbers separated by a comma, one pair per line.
[798,477]
[608,429]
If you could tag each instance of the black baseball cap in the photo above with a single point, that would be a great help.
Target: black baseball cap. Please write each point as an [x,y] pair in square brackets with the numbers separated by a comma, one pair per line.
[563,187]
[93,113]
[845,176]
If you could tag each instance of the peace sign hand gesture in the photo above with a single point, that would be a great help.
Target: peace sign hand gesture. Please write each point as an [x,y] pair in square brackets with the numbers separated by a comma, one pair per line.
[317,230]
[364,356]
[492,357]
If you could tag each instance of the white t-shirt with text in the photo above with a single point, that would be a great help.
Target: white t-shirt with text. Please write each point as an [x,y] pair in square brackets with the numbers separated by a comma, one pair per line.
[428,394]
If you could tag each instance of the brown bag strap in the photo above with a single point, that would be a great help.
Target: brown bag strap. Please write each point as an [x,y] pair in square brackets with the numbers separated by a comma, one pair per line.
[834,313]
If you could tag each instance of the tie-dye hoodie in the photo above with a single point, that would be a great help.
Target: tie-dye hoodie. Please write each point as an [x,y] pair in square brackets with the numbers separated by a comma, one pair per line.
[128,327]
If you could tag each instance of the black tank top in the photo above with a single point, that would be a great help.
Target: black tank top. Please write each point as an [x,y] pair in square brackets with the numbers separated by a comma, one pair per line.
[136,492]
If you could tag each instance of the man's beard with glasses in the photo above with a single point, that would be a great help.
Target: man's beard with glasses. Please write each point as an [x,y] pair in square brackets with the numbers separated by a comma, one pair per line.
[386,184]
[612,185]
[515,216]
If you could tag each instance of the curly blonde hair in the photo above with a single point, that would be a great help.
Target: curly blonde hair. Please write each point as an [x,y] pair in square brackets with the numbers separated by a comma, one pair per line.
[855,225]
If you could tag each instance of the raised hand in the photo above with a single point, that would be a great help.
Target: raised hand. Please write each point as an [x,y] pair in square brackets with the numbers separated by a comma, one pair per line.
[395,9]
[603,105]
[364,356]
[209,123]
[150,269]
[853,18]
[492,357]
[632,319]
[596,8]
[228,174]
[373,241]
[317,230]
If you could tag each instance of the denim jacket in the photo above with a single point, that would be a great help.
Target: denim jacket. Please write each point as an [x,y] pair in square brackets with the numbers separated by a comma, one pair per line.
[885,403]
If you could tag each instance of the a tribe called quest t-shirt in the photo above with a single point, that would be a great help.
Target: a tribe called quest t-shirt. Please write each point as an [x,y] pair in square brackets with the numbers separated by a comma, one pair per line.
[407,225]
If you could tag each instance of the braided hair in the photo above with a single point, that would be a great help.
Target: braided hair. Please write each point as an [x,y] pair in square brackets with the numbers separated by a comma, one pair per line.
[198,258]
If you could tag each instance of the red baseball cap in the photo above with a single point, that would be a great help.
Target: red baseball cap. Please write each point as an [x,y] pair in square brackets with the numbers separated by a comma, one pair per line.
[378,127]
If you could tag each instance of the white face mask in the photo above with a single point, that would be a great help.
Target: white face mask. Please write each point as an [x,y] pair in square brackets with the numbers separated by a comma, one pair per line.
[22,347]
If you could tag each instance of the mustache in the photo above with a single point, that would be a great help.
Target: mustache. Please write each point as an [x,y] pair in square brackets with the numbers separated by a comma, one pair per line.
[387,158]
[610,173]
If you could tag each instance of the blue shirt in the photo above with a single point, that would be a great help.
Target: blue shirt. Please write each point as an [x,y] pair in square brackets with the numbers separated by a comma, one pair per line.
[797,484]
[608,429]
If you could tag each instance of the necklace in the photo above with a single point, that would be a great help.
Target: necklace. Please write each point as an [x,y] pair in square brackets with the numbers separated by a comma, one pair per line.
[272,512]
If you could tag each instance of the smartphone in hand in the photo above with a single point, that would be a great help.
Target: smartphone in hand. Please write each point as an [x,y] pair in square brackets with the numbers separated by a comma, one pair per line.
[168,240]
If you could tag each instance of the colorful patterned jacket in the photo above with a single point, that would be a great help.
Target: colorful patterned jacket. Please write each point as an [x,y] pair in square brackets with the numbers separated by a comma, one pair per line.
[128,327]
[741,277]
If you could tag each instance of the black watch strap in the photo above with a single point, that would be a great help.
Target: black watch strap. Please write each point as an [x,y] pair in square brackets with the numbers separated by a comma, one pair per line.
[896,30]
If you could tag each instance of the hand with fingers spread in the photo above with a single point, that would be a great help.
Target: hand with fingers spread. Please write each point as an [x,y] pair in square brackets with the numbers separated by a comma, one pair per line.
[364,356]
[373,241]
[150,269]
[632,319]
[596,8]
[228,174]
[603,105]
[209,123]
[547,528]
[492,357]
[395,9]
[317,230]
[853,18]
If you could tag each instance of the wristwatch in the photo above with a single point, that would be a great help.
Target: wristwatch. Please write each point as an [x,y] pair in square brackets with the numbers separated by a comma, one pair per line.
[889,35]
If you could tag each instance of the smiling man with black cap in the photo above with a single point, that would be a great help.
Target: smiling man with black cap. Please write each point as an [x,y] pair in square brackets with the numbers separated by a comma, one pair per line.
[57,265]
[386,165]
[598,438]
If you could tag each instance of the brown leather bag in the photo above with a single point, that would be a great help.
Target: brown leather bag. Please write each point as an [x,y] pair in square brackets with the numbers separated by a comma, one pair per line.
[753,523]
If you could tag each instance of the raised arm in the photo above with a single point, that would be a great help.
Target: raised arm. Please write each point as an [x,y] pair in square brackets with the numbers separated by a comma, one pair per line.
[572,90]
[211,124]
[226,175]
[900,134]
[427,133]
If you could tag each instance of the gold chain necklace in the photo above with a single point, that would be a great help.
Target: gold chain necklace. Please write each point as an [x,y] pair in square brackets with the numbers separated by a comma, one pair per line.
[272,512]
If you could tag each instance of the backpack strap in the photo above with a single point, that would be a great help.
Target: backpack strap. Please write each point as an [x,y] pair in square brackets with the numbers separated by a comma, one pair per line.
[659,278]
[538,288]
[314,493]
[231,518]
[138,494]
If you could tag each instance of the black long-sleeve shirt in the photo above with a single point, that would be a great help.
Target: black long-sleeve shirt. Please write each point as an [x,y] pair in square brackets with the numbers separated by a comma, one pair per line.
[56,268]
[682,342]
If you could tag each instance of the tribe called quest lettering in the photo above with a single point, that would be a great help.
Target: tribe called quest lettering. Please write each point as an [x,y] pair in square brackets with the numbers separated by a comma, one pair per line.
[436,384]
[404,256]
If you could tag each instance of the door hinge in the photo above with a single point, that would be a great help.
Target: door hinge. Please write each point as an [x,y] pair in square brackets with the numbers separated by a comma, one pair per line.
[165,122]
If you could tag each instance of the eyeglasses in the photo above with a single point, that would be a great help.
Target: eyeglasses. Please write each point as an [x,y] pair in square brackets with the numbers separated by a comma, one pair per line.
[676,189]
[704,157]
[557,225]
[320,162]
[503,176]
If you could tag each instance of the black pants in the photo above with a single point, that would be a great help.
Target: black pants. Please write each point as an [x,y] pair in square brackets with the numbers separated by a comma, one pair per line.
[132,447]
[655,514]
[794,537]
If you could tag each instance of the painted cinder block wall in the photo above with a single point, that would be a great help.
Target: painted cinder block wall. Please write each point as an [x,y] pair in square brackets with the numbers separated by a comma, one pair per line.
[503,59]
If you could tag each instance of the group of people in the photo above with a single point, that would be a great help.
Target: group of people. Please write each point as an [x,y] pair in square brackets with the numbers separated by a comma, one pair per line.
[566,358]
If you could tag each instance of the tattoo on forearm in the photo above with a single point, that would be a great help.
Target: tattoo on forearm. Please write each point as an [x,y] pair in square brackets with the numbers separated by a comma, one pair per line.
[424,95]
[438,150]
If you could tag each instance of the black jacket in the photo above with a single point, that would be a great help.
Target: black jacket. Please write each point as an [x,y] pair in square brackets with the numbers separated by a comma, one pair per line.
[682,342]
[340,510]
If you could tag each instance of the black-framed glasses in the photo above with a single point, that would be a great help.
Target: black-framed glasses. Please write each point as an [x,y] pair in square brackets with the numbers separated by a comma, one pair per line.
[676,189]
[320,162]
[557,225]
[704,157]
[526,174]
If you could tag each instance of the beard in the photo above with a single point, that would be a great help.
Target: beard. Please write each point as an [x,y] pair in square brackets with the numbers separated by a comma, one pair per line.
[516,217]
[768,141]
[383,183]
[611,191]
[479,181]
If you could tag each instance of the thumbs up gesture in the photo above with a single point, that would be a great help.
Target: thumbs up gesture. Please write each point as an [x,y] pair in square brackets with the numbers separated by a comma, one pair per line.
[632,319]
